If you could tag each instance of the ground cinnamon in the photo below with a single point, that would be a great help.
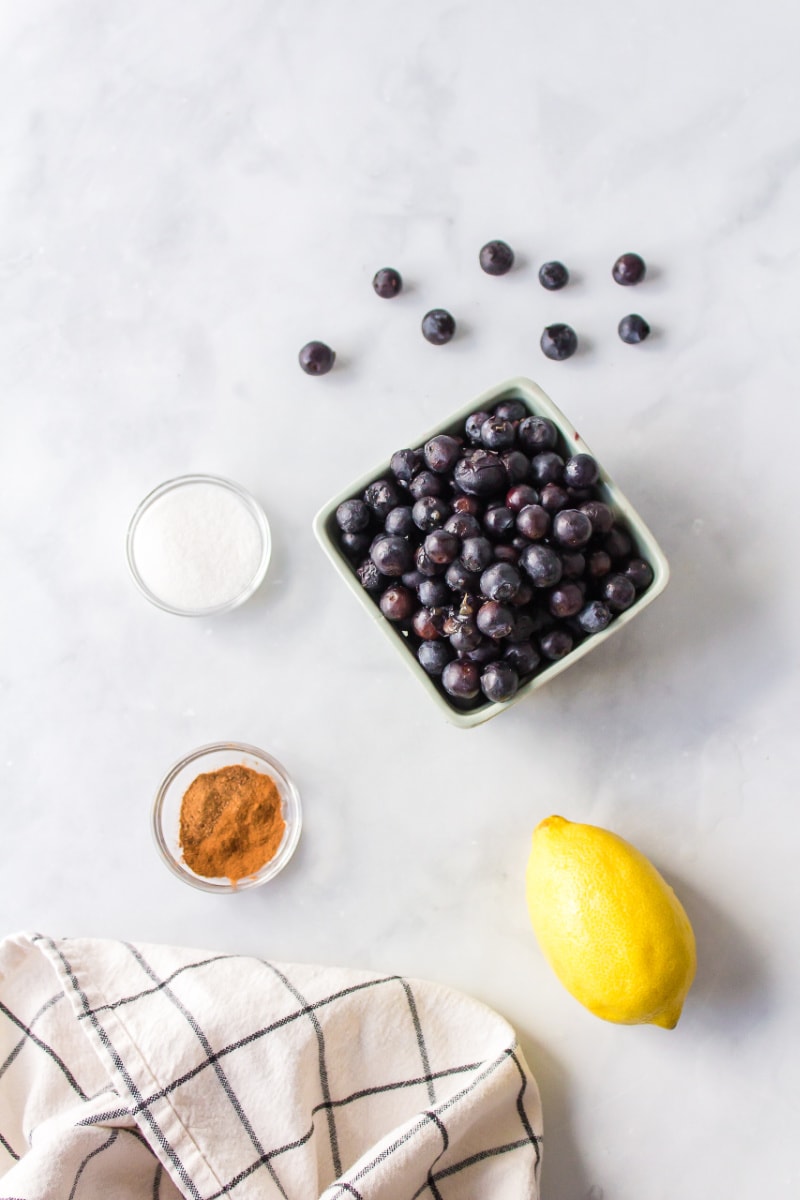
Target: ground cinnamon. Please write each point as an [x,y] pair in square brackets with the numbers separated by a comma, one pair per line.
[231,823]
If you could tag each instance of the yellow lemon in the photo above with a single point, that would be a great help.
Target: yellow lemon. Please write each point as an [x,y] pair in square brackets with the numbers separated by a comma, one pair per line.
[611,928]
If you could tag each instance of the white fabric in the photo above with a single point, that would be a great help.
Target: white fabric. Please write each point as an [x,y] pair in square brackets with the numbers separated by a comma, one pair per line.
[150,1072]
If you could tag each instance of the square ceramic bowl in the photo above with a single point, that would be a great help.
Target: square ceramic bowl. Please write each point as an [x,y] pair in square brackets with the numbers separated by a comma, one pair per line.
[645,546]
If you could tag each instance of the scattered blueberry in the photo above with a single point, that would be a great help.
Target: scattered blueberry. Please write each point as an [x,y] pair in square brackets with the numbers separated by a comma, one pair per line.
[594,617]
[405,464]
[618,592]
[558,341]
[438,326]
[556,643]
[628,269]
[387,282]
[640,573]
[496,258]
[553,276]
[316,358]
[633,329]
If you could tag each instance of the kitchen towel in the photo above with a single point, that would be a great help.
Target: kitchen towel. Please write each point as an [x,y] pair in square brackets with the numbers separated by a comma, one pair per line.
[147,1072]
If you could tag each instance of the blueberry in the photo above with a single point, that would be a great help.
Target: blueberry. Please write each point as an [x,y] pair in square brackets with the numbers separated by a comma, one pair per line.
[556,643]
[473,425]
[466,635]
[542,565]
[499,682]
[640,573]
[618,592]
[495,620]
[480,473]
[430,512]
[599,514]
[501,582]
[554,497]
[387,282]
[413,579]
[391,555]
[523,657]
[463,525]
[594,617]
[599,564]
[352,516]
[618,543]
[426,483]
[399,521]
[565,600]
[498,522]
[461,679]
[356,545]
[484,653]
[498,434]
[434,656]
[460,579]
[581,471]
[520,495]
[438,326]
[371,578]
[512,410]
[441,546]
[425,564]
[382,497]
[428,623]
[441,453]
[496,258]
[533,522]
[536,434]
[572,528]
[633,329]
[506,554]
[467,504]
[628,269]
[558,341]
[547,467]
[405,464]
[433,593]
[316,358]
[573,564]
[397,603]
[476,553]
[517,466]
[553,276]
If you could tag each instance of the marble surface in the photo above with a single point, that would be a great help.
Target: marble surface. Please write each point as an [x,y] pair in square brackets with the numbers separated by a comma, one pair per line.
[188,193]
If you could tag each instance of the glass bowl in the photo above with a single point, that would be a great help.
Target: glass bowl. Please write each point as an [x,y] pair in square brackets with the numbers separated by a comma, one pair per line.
[167,808]
[169,489]
[537,403]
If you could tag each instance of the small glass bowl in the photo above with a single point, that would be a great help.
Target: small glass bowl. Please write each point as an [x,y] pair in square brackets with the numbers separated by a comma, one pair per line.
[167,808]
[252,506]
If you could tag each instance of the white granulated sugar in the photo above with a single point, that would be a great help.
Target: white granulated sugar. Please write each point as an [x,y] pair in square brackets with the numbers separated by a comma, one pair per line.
[197,547]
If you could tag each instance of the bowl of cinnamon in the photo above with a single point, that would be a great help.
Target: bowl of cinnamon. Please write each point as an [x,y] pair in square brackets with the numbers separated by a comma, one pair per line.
[227,817]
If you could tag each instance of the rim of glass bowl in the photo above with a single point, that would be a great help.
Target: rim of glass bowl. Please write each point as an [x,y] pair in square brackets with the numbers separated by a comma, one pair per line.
[285,851]
[256,512]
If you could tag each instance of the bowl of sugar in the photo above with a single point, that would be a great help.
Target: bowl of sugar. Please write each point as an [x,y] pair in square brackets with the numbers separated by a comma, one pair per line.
[198,545]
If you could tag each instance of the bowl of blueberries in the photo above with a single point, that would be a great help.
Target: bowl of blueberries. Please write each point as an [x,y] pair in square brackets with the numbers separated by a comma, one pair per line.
[493,552]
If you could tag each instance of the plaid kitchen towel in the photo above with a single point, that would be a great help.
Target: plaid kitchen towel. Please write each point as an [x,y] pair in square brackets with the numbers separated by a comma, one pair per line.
[139,1072]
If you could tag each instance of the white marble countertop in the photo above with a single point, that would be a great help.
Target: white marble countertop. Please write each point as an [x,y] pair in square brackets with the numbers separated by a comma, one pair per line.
[188,193]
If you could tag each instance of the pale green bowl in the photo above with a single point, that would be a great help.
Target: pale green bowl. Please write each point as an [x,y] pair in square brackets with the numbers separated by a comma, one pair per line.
[535,400]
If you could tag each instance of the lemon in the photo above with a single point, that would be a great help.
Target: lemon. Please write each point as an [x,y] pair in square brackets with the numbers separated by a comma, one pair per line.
[611,928]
